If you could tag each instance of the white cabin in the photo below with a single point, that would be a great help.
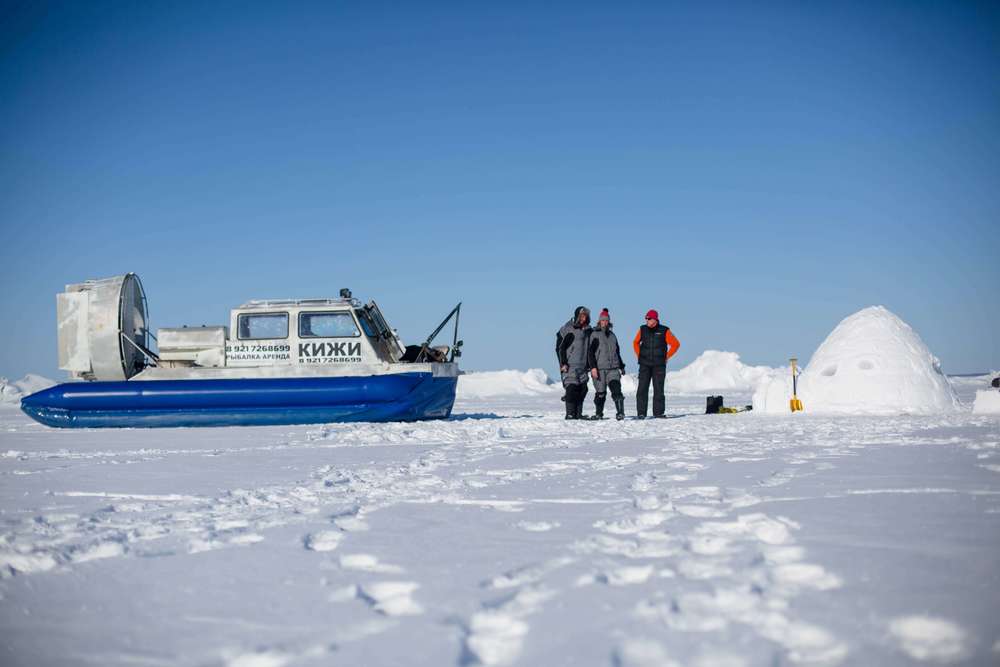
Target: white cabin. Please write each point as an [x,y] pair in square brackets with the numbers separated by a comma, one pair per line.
[103,336]
[286,332]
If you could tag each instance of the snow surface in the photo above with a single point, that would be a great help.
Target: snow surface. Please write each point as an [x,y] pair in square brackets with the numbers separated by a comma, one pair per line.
[871,363]
[12,392]
[506,536]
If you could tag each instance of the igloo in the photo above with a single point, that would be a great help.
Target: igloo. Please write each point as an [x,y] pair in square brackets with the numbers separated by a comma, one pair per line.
[871,363]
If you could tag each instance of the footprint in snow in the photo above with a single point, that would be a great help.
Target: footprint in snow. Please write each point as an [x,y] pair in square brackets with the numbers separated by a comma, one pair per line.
[391,598]
[643,481]
[495,638]
[274,656]
[700,511]
[351,524]
[805,575]
[624,576]
[526,574]
[647,502]
[496,633]
[631,525]
[367,563]
[642,653]
[929,638]
[651,653]
[537,526]
[351,521]
[778,478]
[324,540]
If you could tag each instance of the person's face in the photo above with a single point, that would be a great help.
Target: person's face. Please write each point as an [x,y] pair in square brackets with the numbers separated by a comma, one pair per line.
[651,323]
[603,324]
[584,317]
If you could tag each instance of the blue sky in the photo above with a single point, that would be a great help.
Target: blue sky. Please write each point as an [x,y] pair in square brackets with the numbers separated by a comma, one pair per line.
[754,171]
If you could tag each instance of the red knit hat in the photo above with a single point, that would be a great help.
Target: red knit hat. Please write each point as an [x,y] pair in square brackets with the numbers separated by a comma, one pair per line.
[653,315]
[605,315]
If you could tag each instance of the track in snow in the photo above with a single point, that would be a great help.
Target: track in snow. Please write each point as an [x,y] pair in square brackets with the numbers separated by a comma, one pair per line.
[504,536]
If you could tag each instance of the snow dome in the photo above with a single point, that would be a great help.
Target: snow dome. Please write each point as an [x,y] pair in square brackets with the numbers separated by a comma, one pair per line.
[871,363]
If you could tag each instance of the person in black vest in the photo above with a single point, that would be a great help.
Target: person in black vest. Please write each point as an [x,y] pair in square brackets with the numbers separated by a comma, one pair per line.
[571,349]
[653,345]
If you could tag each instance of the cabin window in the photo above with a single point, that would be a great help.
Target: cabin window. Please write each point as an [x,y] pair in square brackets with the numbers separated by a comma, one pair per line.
[366,323]
[263,326]
[327,325]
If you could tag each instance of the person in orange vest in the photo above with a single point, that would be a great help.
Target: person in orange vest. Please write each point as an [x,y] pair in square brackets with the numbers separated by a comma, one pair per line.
[654,344]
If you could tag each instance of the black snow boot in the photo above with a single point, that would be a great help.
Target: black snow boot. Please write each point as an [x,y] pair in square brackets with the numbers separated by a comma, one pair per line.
[620,408]
[581,394]
[599,400]
[570,400]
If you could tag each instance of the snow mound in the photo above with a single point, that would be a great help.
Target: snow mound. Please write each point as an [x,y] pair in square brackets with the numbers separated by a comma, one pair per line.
[14,391]
[486,384]
[716,370]
[987,402]
[871,363]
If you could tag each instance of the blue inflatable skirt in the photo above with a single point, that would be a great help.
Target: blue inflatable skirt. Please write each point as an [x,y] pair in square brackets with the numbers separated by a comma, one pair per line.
[243,402]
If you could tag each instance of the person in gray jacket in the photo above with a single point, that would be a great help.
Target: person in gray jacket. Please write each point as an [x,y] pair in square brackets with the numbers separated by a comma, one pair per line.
[571,348]
[606,367]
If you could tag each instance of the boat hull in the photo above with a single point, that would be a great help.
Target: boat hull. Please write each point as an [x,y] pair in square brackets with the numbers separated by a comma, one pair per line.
[243,402]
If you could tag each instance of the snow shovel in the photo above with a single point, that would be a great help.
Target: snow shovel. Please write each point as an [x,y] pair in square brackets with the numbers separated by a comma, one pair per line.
[795,403]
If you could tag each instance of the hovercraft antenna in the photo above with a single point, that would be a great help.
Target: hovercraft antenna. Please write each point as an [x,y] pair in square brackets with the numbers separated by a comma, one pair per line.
[456,345]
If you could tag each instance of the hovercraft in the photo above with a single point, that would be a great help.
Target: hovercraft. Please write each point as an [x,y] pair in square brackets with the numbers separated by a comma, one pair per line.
[288,361]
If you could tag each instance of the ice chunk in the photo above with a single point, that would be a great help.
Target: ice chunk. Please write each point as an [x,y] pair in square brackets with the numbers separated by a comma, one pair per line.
[987,402]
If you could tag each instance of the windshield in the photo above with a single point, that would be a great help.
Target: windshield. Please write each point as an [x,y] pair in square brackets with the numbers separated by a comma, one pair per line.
[327,325]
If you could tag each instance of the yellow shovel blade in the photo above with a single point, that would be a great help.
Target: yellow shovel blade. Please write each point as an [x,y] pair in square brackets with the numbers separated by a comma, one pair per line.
[796,404]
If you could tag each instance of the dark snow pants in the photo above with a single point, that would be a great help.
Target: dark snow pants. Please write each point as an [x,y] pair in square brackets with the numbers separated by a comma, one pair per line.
[658,374]
[575,382]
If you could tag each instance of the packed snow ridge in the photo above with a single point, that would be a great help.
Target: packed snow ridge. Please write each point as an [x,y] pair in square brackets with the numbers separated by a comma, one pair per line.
[713,370]
[12,391]
[871,363]
[533,382]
